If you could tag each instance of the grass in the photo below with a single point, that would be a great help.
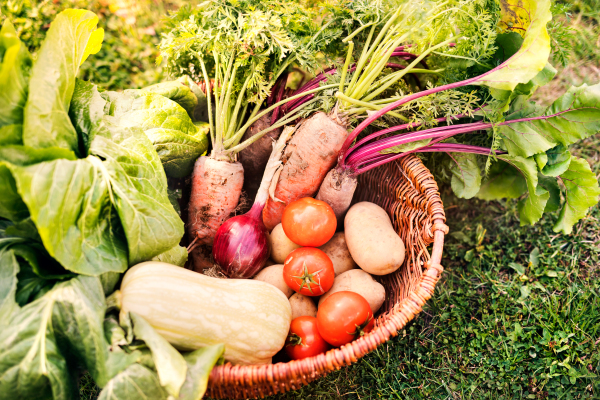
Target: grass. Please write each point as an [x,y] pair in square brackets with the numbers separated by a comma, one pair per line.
[517,312]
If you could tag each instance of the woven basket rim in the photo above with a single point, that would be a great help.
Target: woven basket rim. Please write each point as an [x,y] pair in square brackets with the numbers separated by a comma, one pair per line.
[291,375]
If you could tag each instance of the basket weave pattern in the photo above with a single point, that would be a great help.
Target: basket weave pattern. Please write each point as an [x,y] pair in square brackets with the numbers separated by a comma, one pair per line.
[407,191]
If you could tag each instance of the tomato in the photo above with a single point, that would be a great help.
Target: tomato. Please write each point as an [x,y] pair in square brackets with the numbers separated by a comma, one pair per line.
[308,271]
[309,222]
[343,317]
[304,339]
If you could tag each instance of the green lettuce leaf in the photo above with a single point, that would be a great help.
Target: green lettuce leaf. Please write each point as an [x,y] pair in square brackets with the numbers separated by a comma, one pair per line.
[528,17]
[69,317]
[9,268]
[170,365]
[466,175]
[71,38]
[12,206]
[581,193]
[69,202]
[86,111]
[176,256]
[138,189]
[15,66]
[178,92]
[177,151]
[136,382]
[199,364]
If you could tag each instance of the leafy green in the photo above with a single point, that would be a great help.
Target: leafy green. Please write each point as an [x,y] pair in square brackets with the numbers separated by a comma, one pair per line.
[170,365]
[136,382]
[177,151]
[581,193]
[502,181]
[12,206]
[8,285]
[572,117]
[138,188]
[557,161]
[178,92]
[72,37]
[466,175]
[15,65]
[528,17]
[199,364]
[86,111]
[177,256]
[70,204]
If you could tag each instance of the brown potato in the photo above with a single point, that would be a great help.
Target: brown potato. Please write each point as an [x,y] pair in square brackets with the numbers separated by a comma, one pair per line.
[373,243]
[274,276]
[338,252]
[358,281]
[302,305]
[281,246]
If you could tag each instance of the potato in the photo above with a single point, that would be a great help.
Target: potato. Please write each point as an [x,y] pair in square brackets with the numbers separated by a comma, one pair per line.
[281,246]
[358,281]
[302,305]
[337,250]
[274,276]
[373,243]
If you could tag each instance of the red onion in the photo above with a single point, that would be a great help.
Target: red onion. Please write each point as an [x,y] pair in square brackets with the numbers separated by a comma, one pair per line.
[241,246]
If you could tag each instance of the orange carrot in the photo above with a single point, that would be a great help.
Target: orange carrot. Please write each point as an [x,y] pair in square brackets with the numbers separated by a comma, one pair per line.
[310,154]
[216,189]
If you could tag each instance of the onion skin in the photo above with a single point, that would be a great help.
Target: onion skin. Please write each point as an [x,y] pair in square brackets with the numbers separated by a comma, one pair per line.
[241,246]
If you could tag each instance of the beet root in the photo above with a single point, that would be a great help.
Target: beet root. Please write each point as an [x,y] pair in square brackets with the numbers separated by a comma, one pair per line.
[337,190]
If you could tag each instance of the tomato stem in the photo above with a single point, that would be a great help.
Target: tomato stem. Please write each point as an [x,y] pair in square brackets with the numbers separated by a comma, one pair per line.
[360,329]
[294,340]
[308,279]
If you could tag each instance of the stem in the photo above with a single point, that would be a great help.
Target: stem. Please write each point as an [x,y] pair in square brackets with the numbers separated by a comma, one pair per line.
[356,32]
[240,132]
[372,106]
[345,68]
[208,100]
[403,72]
[233,124]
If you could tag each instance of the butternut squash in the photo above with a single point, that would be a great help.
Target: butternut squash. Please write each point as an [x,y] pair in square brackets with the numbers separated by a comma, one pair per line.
[192,310]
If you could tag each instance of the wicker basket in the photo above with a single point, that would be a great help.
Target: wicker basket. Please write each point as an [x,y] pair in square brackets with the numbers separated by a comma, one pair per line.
[407,191]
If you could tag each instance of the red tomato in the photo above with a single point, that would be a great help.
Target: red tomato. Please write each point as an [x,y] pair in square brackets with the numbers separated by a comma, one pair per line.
[309,222]
[343,317]
[304,339]
[308,271]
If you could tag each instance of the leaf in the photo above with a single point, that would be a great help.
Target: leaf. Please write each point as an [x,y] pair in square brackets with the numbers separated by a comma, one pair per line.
[517,267]
[503,181]
[178,92]
[135,383]
[551,185]
[86,110]
[139,189]
[406,147]
[70,204]
[15,65]
[176,256]
[8,286]
[558,160]
[78,320]
[466,175]
[534,257]
[12,206]
[581,193]
[525,292]
[530,18]
[201,111]
[170,365]
[199,364]
[71,38]
[532,207]
[177,151]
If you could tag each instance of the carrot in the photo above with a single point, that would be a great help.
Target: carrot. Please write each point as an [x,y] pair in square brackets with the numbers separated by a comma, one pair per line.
[216,189]
[310,154]
[254,157]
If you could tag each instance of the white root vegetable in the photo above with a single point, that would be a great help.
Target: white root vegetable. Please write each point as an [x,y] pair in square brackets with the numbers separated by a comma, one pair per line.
[338,252]
[274,276]
[372,240]
[281,246]
[302,306]
[358,281]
